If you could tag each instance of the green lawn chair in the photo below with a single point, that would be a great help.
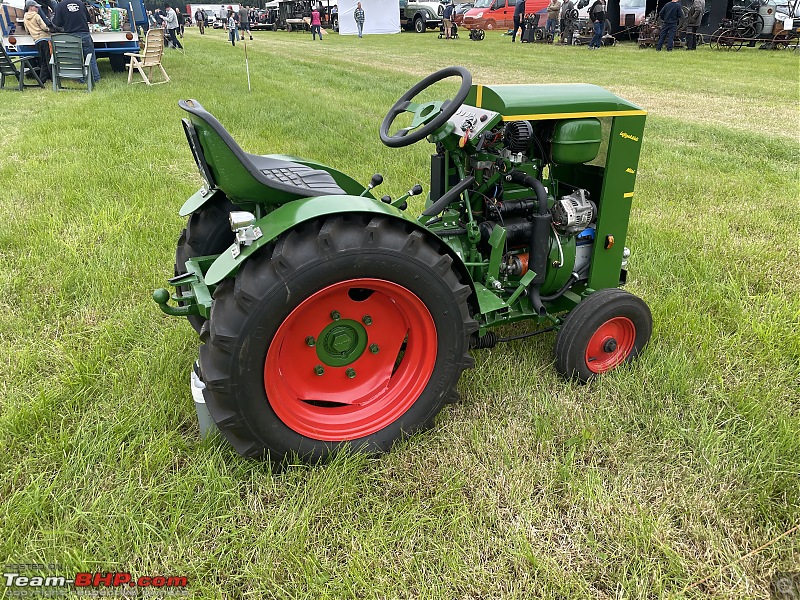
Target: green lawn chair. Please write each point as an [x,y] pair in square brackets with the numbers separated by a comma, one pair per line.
[9,68]
[68,62]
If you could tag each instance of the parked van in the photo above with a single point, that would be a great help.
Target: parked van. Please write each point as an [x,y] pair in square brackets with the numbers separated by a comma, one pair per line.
[498,14]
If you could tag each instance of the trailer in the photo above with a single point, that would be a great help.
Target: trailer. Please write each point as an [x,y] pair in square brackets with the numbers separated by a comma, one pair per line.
[115,30]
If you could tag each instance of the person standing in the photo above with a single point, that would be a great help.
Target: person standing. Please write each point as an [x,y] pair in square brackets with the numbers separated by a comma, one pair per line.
[200,17]
[38,30]
[244,21]
[233,28]
[670,14]
[235,15]
[171,24]
[598,16]
[181,20]
[447,19]
[696,13]
[358,15]
[315,25]
[552,18]
[73,18]
[519,21]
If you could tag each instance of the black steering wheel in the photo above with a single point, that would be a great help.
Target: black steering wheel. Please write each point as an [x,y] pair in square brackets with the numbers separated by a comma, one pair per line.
[428,117]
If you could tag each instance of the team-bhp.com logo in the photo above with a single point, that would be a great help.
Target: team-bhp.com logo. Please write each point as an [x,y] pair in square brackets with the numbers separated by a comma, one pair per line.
[88,581]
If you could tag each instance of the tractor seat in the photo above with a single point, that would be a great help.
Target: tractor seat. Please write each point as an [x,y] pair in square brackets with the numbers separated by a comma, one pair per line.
[278,174]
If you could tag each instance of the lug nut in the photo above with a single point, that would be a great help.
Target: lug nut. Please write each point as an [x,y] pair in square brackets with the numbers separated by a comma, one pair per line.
[351,373]
[367,320]
[319,370]
[373,348]
[310,341]
[335,315]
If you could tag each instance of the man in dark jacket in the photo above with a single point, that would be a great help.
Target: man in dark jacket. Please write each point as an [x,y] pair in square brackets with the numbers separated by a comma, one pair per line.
[598,16]
[73,18]
[447,19]
[519,20]
[200,19]
[670,14]
[693,22]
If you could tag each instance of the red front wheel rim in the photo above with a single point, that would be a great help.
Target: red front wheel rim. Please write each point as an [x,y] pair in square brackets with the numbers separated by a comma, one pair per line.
[610,345]
[350,359]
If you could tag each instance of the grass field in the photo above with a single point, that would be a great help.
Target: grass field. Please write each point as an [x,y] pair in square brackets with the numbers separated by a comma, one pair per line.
[651,482]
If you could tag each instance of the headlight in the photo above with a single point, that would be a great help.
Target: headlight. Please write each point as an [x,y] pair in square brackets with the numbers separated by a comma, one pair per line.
[479,15]
[239,219]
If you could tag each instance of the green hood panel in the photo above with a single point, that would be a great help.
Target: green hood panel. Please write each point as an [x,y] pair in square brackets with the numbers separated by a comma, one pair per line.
[538,102]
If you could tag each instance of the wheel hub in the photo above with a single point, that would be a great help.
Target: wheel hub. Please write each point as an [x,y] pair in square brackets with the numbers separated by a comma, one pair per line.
[610,345]
[341,343]
[327,378]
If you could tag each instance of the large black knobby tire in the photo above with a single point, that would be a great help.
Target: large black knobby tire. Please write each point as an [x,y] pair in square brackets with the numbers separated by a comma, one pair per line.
[347,332]
[117,62]
[419,25]
[207,232]
[608,328]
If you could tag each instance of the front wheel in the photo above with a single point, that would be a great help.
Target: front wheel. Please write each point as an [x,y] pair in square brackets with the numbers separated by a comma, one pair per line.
[419,25]
[609,328]
[346,332]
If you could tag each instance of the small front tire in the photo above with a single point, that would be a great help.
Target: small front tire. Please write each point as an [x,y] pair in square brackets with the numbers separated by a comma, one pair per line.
[608,328]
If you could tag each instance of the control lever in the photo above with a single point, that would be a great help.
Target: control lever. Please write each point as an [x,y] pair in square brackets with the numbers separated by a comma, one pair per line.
[376,180]
[449,196]
[479,145]
[401,201]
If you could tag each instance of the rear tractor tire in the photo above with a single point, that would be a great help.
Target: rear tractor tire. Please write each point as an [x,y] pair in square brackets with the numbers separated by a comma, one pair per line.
[347,332]
[609,328]
[207,232]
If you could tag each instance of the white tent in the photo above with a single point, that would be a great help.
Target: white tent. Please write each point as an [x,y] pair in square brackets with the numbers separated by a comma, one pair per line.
[380,16]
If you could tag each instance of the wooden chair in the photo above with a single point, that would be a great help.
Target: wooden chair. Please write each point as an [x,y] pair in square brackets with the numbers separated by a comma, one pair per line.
[67,61]
[8,68]
[149,57]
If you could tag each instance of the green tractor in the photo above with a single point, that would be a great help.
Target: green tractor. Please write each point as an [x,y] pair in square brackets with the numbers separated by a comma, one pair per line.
[333,319]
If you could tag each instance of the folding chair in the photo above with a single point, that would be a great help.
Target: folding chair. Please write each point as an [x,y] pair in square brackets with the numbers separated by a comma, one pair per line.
[8,68]
[149,57]
[67,61]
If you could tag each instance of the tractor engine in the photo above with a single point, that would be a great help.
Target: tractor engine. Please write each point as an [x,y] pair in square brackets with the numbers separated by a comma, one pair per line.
[534,184]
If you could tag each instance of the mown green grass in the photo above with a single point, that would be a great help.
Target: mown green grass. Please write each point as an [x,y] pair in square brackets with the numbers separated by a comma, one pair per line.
[637,485]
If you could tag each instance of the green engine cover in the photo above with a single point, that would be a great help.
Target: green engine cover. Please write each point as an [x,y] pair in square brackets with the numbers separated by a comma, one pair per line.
[576,141]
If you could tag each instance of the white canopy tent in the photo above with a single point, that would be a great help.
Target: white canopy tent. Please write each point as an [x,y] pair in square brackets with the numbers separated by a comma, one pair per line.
[380,16]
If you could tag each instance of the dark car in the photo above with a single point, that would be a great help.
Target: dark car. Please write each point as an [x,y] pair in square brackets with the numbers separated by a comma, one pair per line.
[460,11]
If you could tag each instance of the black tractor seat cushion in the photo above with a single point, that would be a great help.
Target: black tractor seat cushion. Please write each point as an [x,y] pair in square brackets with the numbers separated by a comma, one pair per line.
[275,173]
[296,175]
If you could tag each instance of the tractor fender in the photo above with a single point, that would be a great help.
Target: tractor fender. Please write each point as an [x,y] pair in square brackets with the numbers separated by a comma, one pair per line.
[294,213]
[198,199]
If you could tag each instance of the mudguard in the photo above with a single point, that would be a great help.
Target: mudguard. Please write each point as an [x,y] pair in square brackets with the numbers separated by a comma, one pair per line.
[293,213]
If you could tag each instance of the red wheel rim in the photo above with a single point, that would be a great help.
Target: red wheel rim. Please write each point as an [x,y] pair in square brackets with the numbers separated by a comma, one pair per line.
[610,345]
[360,390]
